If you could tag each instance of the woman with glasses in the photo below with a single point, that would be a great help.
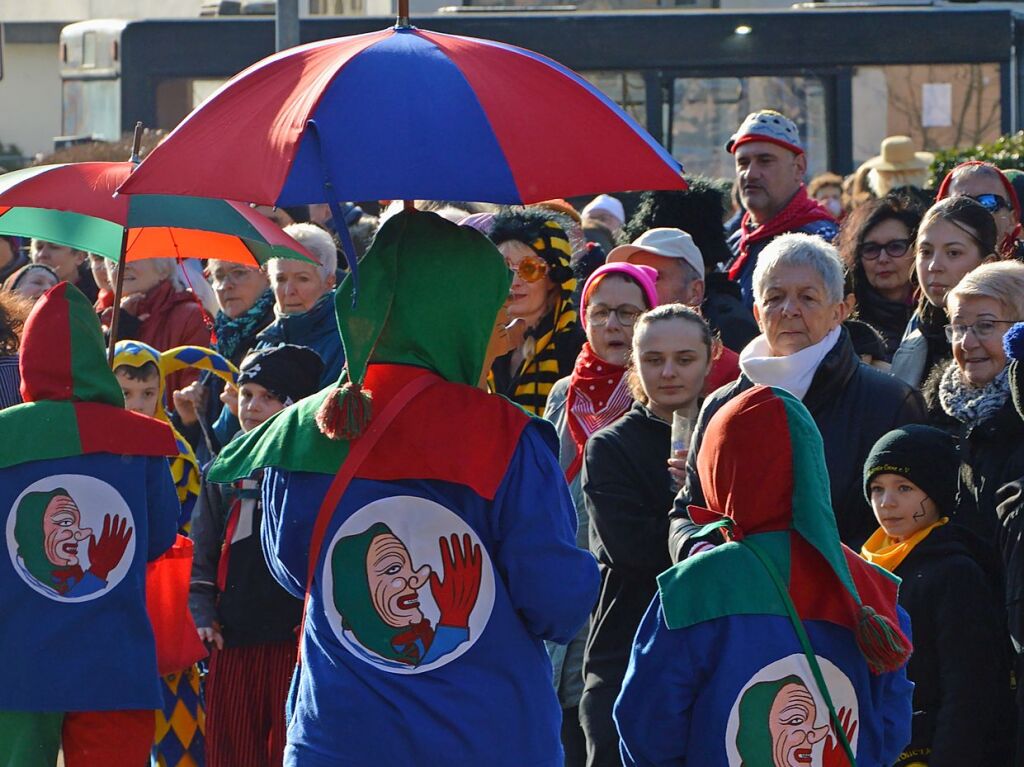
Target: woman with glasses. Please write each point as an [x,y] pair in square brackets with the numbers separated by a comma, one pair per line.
[984,183]
[537,251]
[596,395]
[970,395]
[956,236]
[876,245]
[627,490]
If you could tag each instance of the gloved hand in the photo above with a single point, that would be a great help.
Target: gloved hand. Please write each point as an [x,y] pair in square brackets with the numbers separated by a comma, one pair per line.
[834,755]
[106,552]
[456,595]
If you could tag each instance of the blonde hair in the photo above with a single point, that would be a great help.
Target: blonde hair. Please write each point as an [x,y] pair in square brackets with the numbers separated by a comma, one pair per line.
[1002,281]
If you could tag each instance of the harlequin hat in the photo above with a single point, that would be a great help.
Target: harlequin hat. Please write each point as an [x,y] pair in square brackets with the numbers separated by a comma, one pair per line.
[767,125]
[778,499]
[428,295]
[67,385]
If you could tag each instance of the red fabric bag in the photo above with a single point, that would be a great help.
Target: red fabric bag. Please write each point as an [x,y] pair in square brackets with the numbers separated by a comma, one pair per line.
[178,645]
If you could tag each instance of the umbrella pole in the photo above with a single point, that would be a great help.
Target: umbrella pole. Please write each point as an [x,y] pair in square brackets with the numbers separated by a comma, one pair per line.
[409,205]
[403,14]
[118,293]
[119,284]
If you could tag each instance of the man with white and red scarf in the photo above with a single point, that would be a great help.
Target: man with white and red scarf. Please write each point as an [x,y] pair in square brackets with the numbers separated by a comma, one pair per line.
[770,170]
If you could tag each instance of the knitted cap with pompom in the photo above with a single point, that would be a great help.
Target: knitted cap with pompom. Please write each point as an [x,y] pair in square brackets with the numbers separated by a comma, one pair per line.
[1013,345]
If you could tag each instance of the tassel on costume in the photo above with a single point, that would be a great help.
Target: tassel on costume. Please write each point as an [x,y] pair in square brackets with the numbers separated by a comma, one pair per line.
[345,414]
[882,644]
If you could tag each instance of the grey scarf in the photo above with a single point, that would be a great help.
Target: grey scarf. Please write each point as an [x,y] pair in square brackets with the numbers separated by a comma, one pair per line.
[969,405]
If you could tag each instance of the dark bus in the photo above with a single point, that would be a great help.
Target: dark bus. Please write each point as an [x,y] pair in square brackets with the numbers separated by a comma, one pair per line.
[946,75]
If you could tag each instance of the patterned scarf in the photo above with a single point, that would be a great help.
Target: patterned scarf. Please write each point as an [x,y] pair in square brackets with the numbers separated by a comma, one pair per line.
[540,371]
[598,395]
[799,211]
[969,405]
[233,331]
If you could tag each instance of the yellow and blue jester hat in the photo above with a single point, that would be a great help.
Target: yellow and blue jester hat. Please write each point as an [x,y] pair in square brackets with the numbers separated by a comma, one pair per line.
[184,467]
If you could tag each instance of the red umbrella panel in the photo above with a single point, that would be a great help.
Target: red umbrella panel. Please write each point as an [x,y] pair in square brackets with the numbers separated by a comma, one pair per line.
[406,114]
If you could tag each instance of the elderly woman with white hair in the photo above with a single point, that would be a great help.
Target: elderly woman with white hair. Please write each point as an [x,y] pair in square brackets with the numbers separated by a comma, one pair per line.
[304,301]
[804,349]
[159,311]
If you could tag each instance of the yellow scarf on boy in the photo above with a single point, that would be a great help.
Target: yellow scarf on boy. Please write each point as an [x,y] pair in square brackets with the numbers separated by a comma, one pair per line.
[883,551]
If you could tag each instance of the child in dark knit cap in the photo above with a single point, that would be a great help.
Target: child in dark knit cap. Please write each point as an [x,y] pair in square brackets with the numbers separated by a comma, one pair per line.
[952,589]
[247,618]
[1010,536]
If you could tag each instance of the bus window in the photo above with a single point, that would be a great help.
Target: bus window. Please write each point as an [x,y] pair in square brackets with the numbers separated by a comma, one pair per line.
[706,112]
[92,108]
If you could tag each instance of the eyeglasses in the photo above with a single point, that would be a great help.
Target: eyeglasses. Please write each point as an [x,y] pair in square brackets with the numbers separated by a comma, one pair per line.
[869,251]
[626,314]
[982,329]
[234,276]
[993,203]
[530,268]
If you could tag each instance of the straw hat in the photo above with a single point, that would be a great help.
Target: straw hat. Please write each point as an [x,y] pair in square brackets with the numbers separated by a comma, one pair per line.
[898,154]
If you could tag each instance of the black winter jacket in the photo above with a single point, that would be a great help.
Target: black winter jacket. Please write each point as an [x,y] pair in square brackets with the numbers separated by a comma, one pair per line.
[963,706]
[853,404]
[991,454]
[627,489]
[253,608]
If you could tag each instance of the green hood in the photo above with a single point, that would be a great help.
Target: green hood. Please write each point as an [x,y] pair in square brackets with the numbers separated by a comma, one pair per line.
[753,737]
[352,593]
[28,533]
[63,355]
[428,296]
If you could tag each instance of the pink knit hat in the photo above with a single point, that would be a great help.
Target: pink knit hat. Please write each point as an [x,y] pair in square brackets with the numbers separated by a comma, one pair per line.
[644,276]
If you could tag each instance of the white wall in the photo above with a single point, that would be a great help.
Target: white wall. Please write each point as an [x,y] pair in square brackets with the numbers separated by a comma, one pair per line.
[79,10]
[30,97]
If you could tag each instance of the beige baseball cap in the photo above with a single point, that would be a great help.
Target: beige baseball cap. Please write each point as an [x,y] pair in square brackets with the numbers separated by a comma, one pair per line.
[663,241]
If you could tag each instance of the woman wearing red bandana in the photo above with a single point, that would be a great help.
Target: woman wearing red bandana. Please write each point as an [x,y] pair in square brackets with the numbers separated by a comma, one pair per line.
[594,396]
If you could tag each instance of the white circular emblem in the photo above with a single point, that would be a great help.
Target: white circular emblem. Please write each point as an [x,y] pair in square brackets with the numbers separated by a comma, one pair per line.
[407,585]
[71,537]
[780,718]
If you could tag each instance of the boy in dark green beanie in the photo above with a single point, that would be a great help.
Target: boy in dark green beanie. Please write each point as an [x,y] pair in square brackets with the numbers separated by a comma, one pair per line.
[952,591]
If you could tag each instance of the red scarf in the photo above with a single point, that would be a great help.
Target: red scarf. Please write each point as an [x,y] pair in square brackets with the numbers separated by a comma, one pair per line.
[598,395]
[799,211]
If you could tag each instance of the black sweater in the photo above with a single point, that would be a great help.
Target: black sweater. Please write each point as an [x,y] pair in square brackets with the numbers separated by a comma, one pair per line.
[627,491]
[963,709]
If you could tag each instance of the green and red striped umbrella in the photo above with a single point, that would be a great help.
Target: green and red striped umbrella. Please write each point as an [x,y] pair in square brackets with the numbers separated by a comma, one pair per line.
[74,204]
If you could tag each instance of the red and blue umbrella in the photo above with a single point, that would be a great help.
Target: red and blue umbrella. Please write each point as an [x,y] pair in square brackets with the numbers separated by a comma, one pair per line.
[406,114]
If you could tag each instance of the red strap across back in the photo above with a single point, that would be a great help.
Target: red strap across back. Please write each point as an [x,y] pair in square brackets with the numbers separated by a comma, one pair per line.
[358,450]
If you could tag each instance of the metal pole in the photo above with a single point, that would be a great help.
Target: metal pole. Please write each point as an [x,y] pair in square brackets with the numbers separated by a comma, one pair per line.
[287,27]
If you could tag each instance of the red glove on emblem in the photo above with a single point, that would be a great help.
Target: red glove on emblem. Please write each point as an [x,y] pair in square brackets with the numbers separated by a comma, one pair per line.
[106,552]
[834,755]
[456,595]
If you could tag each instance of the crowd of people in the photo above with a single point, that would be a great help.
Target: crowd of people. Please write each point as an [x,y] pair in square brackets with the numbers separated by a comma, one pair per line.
[445,516]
